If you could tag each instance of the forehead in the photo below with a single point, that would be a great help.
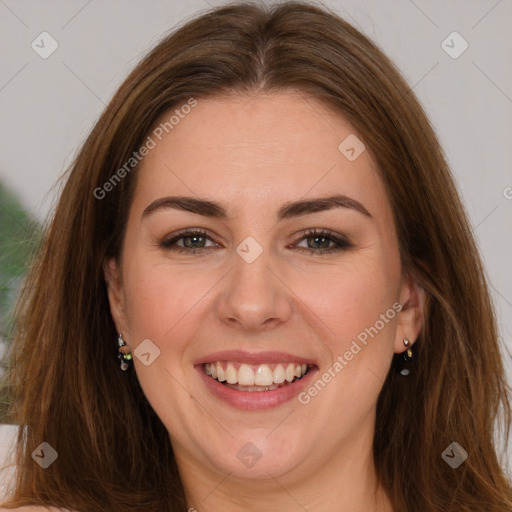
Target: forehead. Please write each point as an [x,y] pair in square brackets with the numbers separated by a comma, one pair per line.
[251,149]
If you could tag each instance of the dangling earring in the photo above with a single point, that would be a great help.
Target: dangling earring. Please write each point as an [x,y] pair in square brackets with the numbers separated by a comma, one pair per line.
[405,359]
[124,354]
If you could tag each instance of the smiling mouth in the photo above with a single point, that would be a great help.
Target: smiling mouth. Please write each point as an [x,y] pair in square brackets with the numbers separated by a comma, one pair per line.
[263,377]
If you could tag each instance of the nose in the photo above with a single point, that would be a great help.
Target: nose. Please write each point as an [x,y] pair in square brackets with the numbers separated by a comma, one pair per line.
[255,296]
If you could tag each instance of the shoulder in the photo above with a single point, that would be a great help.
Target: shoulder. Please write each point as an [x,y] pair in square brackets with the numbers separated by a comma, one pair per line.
[36,509]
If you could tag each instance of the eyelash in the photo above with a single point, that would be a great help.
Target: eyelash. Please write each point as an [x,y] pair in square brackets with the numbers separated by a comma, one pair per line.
[342,244]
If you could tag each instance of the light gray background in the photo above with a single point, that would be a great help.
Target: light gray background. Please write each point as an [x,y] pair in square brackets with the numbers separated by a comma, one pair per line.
[47,106]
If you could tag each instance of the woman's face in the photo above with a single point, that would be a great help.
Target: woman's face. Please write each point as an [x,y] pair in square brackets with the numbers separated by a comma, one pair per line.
[275,282]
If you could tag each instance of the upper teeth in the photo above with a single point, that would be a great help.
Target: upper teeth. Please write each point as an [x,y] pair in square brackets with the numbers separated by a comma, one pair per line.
[250,375]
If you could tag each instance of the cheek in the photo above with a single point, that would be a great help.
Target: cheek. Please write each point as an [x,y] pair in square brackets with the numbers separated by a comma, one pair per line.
[351,297]
[358,305]
[163,300]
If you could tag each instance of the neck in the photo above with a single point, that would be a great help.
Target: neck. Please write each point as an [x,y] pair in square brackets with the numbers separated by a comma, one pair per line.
[346,481]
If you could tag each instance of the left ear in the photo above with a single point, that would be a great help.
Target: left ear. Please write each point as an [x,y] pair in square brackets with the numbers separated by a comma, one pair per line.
[410,318]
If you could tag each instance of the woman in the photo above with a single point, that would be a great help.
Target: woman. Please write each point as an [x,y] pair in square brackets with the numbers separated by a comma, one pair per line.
[262,228]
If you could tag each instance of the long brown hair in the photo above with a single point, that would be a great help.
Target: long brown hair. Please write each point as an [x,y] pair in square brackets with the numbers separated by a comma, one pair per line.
[114,453]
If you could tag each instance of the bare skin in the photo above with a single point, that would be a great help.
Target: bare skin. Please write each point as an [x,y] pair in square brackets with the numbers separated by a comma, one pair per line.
[35,509]
[253,154]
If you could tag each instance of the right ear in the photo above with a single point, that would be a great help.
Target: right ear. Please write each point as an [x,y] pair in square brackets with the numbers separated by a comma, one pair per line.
[115,290]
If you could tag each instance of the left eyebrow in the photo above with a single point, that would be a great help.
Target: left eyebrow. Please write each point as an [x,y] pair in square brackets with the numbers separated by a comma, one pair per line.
[288,210]
[304,207]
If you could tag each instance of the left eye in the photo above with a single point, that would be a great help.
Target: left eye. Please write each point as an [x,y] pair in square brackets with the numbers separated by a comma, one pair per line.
[320,241]
[195,241]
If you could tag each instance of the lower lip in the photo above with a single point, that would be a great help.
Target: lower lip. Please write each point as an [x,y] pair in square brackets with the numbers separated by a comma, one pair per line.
[256,400]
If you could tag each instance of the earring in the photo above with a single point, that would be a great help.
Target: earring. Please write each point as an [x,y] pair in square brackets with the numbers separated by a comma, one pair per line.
[124,354]
[405,359]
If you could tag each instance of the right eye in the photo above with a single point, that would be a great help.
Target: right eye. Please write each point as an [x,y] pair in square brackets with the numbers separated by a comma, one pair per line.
[193,241]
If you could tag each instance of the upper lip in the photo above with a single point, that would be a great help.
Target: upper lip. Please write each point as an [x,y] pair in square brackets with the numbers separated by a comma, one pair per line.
[255,358]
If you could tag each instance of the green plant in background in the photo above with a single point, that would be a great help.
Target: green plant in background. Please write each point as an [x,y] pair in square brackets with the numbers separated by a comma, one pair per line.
[20,236]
